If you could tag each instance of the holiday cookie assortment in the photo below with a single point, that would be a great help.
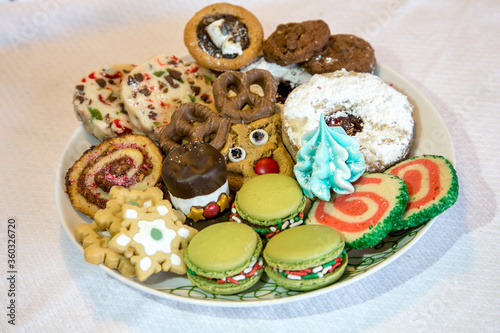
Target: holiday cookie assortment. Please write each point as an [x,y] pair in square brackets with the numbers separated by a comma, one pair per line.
[263,156]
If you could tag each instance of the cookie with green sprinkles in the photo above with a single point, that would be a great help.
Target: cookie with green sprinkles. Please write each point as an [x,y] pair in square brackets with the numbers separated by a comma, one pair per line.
[432,184]
[225,258]
[364,217]
[306,257]
[269,203]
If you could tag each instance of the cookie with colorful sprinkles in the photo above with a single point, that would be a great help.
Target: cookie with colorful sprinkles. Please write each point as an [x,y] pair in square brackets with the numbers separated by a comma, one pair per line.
[364,217]
[154,89]
[432,184]
[98,104]
[153,238]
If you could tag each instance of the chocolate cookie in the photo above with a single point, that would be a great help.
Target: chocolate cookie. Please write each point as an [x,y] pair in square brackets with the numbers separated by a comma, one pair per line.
[223,36]
[343,51]
[296,42]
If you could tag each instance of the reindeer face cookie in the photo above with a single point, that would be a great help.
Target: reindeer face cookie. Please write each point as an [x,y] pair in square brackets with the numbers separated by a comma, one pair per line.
[255,149]
[153,238]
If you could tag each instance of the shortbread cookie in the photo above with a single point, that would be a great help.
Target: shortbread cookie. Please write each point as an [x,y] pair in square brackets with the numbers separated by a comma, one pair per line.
[296,42]
[347,52]
[97,252]
[153,238]
[153,90]
[132,161]
[223,37]
[433,185]
[111,217]
[255,149]
[98,104]
[364,217]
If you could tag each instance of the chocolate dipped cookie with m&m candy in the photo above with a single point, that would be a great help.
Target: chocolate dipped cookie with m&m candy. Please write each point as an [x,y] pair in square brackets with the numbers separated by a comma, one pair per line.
[432,184]
[364,217]
[195,175]
[306,257]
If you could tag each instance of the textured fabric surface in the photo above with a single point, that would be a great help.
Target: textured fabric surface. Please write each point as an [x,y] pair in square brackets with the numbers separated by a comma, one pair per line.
[448,281]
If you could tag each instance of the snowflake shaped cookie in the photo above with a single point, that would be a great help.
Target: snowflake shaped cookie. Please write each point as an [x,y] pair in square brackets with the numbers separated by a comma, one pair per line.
[154,238]
[111,217]
[97,252]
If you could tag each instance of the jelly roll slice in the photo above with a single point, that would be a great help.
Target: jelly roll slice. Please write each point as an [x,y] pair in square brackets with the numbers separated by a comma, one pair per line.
[364,217]
[432,184]
[98,104]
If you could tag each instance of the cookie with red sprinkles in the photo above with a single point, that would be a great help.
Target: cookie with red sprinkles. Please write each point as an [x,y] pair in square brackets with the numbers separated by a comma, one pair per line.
[432,184]
[364,217]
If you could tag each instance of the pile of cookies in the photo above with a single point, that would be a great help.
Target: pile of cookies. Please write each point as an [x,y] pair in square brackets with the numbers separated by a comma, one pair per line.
[254,131]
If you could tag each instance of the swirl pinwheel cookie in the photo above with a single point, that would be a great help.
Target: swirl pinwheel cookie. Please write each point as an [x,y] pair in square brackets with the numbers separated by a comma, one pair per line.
[433,186]
[98,104]
[153,238]
[111,217]
[131,161]
[97,252]
[364,217]
[154,89]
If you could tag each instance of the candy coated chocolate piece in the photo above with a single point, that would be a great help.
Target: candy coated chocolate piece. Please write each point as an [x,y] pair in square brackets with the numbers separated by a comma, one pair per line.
[194,169]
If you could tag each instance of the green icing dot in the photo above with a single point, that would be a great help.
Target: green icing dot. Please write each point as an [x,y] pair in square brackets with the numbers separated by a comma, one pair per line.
[156,234]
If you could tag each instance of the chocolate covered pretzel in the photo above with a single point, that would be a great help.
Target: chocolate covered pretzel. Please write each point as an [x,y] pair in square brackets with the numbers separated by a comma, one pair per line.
[194,122]
[246,105]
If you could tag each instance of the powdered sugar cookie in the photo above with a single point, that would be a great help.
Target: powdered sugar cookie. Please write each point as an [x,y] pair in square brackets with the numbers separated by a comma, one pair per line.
[153,238]
[153,90]
[98,104]
[377,115]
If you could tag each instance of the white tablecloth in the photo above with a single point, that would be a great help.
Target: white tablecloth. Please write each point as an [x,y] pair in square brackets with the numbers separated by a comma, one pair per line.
[448,281]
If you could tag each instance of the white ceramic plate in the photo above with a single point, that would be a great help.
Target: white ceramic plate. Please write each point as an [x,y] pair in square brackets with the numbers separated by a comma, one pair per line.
[431,137]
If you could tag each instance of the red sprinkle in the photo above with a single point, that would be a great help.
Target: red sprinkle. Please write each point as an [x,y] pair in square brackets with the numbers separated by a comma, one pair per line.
[230,279]
[102,100]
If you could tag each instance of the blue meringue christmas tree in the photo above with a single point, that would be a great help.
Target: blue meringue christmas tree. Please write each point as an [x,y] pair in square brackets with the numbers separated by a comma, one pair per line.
[328,160]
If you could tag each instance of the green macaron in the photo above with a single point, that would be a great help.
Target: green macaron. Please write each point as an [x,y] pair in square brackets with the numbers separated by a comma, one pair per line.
[225,258]
[266,199]
[306,257]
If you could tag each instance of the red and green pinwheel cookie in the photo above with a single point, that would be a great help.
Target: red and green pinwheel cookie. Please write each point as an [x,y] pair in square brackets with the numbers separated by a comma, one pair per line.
[432,184]
[364,217]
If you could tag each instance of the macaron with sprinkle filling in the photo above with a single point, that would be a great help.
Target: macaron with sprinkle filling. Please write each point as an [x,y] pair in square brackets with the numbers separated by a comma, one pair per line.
[306,257]
[225,258]
[270,202]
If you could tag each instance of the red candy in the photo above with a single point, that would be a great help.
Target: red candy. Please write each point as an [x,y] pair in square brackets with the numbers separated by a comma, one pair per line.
[211,210]
[266,165]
